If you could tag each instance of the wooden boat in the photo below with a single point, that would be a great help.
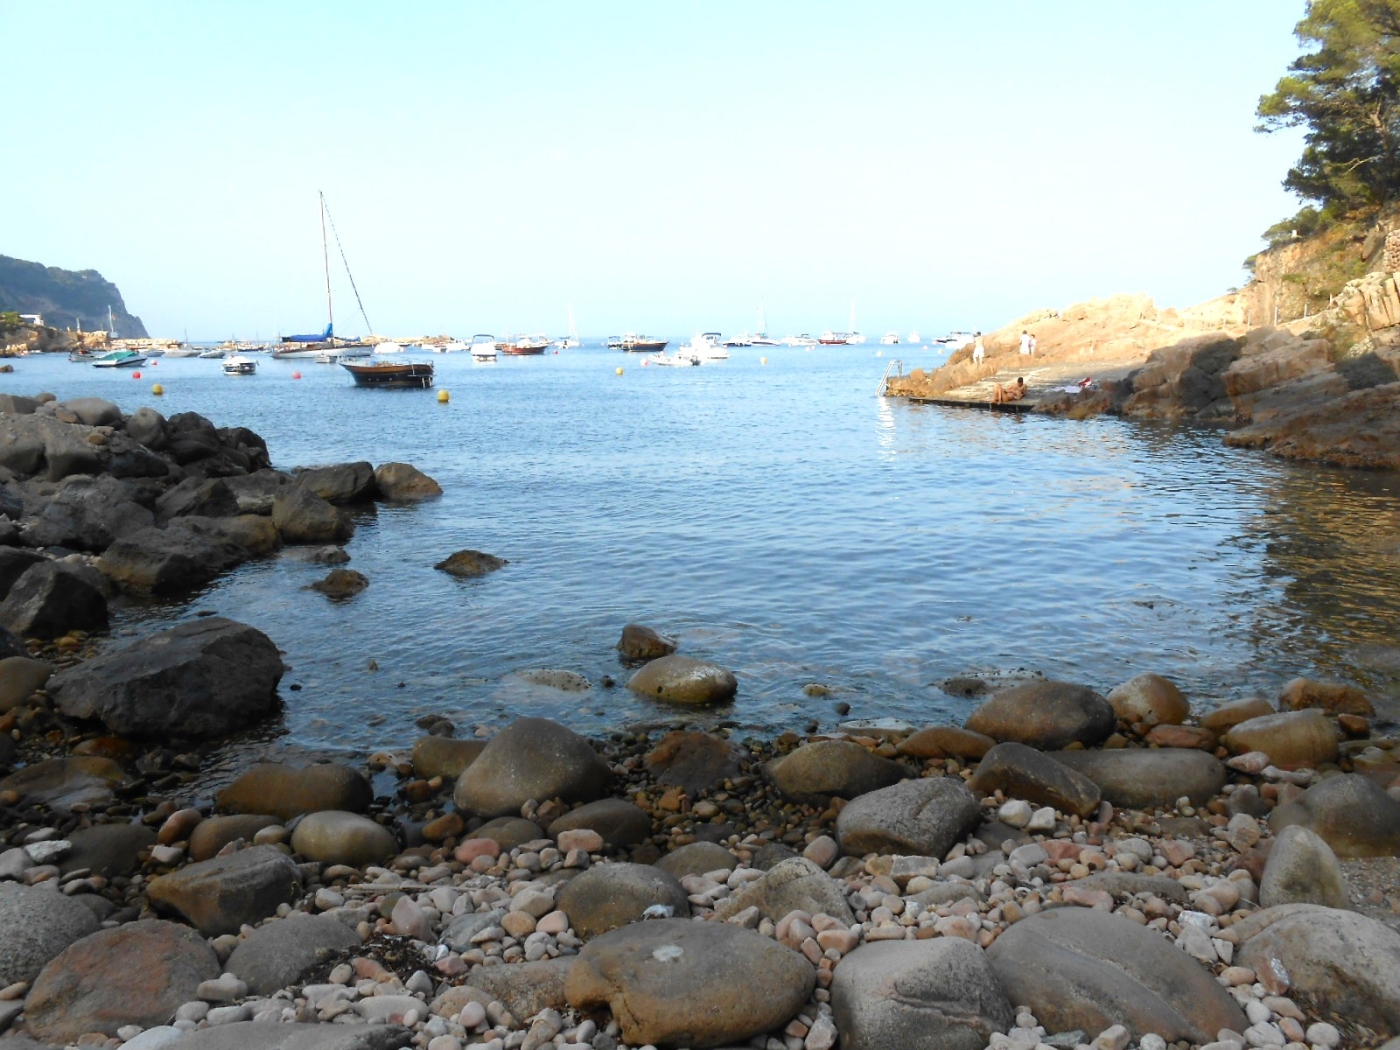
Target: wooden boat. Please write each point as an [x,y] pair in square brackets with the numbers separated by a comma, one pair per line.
[417,374]
[641,344]
[523,344]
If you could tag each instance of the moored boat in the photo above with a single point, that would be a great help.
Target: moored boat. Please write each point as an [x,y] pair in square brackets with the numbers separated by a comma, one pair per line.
[521,345]
[412,374]
[119,359]
[483,347]
[889,339]
[679,358]
[834,338]
[239,365]
[641,344]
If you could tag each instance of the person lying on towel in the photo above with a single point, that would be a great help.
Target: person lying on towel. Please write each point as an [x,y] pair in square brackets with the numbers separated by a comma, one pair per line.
[1002,395]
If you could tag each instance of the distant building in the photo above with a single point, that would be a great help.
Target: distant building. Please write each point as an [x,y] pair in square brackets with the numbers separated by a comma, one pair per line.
[37,320]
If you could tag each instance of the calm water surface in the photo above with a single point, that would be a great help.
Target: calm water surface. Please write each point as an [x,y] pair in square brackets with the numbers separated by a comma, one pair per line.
[781,520]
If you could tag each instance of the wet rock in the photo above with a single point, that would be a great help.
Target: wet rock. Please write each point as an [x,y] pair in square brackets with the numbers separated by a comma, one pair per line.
[254,533]
[620,823]
[815,772]
[1078,968]
[301,516]
[207,497]
[1151,700]
[221,894]
[682,983]
[202,679]
[693,762]
[340,483]
[563,681]
[401,482]
[14,563]
[37,925]
[612,895]
[509,832]
[281,953]
[468,563]
[697,858]
[108,849]
[19,678]
[214,833]
[337,837]
[945,742]
[254,493]
[525,988]
[440,756]
[921,817]
[684,680]
[1025,773]
[171,560]
[48,601]
[1046,715]
[340,584]
[1302,869]
[61,783]
[1290,738]
[138,973]
[918,995]
[1333,698]
[1351,813]
[795,884]
[639,643]
[1149,778]
[1342,964]
[532,758]
[286,791]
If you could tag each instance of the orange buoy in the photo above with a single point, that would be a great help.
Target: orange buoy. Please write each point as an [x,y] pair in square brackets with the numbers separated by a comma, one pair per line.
[135,375]
[296,375]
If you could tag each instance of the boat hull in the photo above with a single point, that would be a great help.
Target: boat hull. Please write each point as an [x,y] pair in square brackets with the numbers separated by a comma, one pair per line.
[412,375]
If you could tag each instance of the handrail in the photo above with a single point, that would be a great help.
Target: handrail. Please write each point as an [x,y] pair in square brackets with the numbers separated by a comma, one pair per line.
[885,379]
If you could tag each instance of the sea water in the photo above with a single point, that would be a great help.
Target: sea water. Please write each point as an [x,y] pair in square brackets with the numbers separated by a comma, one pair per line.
[781,520]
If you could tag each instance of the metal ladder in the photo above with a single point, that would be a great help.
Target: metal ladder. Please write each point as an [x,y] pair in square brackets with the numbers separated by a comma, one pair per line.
[897,367]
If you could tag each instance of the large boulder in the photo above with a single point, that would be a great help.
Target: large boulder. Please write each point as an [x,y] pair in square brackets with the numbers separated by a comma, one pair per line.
[221,894]
[532,758]
[139,973]
[206,497]
[301,516]
[38,924]
[335,837]
[14,563]
[1351,813]
[1302,869]
[90,514]
[639,643]
[1149,699]
[1149,778]
[693,984]
[684,680]
[815,772]
[612,895]
[795,884]
[287,791]
[93,411]
[1046,715]
[62,783]
[405,483]
[945,742]
[1078,968]
[341,482]
[146,426]
[1230,714]
[281,953]
[697,858]
[694,761]
[202,679]
[1023,772]
[48,601]
[164,561]
[919,817]
[212,834]
[1333,698]
[617,821]
[20,677]
[1289,738]
[108,849]
[255,493]
[1343,965]
[442,756]
[918,995]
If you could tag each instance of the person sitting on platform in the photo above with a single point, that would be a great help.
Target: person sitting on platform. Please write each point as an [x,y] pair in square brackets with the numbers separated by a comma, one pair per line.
[1003,395]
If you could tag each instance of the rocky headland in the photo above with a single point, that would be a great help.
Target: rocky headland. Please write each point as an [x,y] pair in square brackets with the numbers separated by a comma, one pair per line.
[1064,869]
[67,299]
[1323,387]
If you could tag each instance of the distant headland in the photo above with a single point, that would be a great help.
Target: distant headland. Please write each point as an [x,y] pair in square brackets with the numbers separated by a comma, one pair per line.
[46,296]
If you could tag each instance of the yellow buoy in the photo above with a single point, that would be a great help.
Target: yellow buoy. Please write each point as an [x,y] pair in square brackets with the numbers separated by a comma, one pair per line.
[157,390]
[763,360]
[444,397]
[619,371]
[879,353]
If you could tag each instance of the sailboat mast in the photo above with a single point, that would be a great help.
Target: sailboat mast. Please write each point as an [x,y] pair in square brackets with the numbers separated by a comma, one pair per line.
[326,262]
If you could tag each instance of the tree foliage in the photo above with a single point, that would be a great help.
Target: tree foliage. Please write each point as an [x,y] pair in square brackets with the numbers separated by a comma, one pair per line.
[1345,91]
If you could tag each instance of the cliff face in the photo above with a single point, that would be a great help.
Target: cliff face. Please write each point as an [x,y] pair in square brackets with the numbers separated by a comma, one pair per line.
[66,298]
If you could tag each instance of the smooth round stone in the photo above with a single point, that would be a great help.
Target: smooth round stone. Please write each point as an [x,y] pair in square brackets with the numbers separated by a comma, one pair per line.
[336,837]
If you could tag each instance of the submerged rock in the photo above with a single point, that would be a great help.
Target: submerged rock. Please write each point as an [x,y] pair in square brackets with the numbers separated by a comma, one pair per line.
[467,563]
[404,483]
[684,680]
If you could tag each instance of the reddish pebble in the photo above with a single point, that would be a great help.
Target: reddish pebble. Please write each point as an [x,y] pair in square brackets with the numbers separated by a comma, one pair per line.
[1085,898]
[471,849]
[1182,737]
[178,826]
[369,969]
[580,838]
[1061,849]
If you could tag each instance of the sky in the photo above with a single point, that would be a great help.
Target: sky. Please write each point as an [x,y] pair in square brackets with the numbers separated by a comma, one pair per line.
[656,167]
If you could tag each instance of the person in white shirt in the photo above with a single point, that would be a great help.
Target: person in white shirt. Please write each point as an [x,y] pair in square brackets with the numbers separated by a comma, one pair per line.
[1025,342]
[978,350]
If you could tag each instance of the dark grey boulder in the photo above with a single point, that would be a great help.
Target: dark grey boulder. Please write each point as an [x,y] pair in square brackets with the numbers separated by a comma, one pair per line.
[619,822]
[918,817]
[38,924]
[14,563]
[1046,715]
[130,459]
[274,1035]
[281,953]
[1077,968]
[61,783]
[146,426]
[697,858]
[816,772]
[1149,778]
[169,560]
[1302,869]
[255,492]
[640,643]
[48,601]
[340,483]
[89,514]
[201,679]
[795,884]
[612,895]
[1354,815]
[694,761]
[108,849]
[209,497]
[532,758]
[301,516]
[17,405]
[93,411]
[221,894]
[1023,772]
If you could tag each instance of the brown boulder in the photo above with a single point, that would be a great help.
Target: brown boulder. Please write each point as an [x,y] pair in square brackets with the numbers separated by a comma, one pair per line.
[1351,813]
[222,894]
[442,756]
[816,772]
[640,643]
[1046,715]
[402,482]
[694,761]
[1151,700]
[1334,698]
[1289,738]
[684,680]
[469,563]
[1225,717]
[945,742]
[285,791]
[1023,772]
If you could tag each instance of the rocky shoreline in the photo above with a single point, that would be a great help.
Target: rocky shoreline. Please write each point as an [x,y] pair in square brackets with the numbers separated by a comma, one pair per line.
[1065,869]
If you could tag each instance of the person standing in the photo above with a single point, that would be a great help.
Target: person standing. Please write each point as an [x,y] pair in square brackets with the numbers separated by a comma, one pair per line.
[1032,346]
[979,352]
[1025,342]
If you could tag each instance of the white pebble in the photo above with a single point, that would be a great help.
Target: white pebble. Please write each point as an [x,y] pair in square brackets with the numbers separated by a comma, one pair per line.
[1323,1034]
[1152,1041]
[158,1038]
[472,1015]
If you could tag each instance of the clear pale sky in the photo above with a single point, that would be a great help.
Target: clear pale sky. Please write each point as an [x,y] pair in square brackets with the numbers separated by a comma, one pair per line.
[662,167]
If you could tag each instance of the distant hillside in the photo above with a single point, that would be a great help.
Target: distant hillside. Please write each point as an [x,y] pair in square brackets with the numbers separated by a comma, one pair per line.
[66,298]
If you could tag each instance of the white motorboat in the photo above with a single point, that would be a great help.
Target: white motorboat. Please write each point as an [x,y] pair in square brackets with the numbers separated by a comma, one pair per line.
[913,339]
[212,355]
[889,339]
[388,346]
[452,346]
[955,340]
[799,340]
[742,339]
[239,365]
[679,358]
[705,347]
[120,359]
[184,350]
[483,347]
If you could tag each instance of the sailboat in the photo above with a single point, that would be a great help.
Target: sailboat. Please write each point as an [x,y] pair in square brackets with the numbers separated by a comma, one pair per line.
[325,344]
[570,341]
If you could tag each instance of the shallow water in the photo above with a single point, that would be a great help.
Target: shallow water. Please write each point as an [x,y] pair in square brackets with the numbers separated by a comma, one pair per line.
[785,522]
